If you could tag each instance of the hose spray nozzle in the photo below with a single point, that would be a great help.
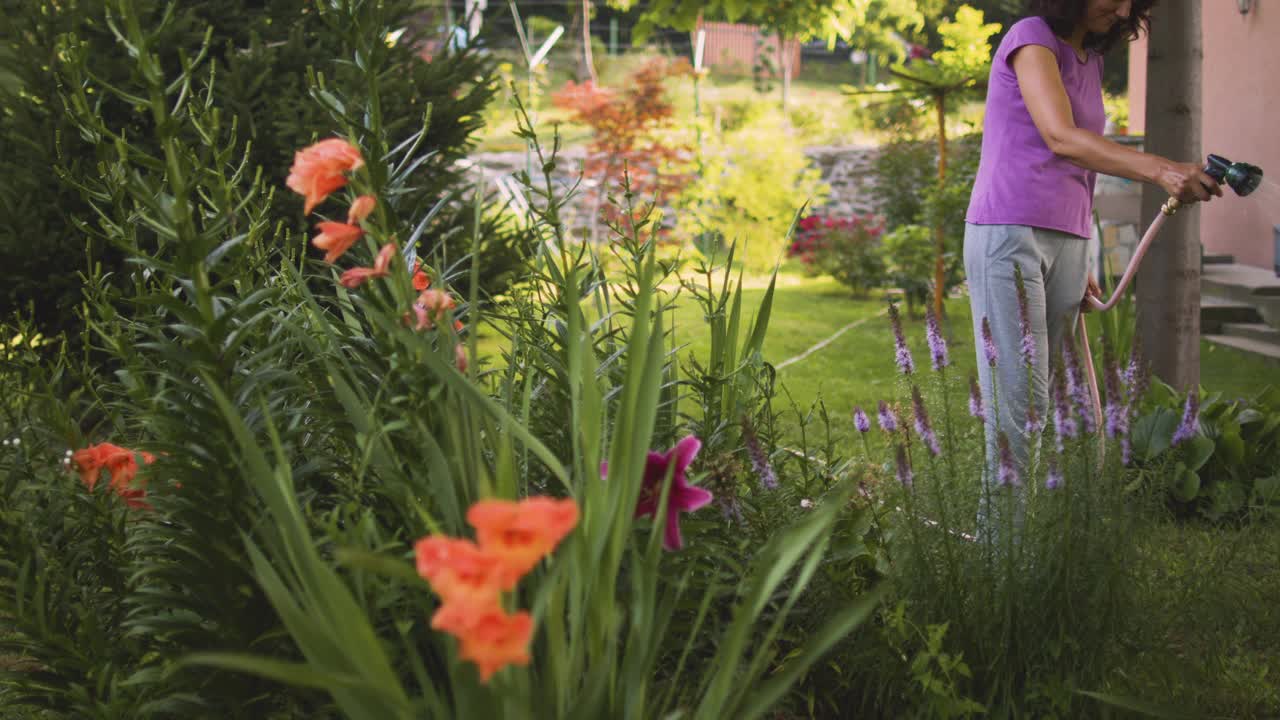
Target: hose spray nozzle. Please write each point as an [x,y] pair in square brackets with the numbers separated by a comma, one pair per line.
[1241,177]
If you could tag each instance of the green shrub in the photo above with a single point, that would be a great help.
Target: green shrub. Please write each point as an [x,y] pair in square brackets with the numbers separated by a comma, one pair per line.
[736,115]
[903,169]
[908,253]
[847,249]
[753,183]
[258,59]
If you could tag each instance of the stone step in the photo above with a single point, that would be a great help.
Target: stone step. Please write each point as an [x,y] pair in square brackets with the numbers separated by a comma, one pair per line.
[1254,331]
[1217,259]
[1241,283]
[1266,350]
[1216,312]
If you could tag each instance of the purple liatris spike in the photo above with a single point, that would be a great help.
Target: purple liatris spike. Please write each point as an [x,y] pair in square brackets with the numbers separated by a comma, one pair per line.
[975,399]
[759,459]
[903,354]
[1053,480]
[1126,450]
[1034,423]
[905,476]
[888,421]
[1028,348]
[923,429]
[1077,390]
[988,343]
[1135,374]
[1190,425]
[1007,473]
[1064,423]
[861,421]
[1136,379]
[1116,411]
[937,344]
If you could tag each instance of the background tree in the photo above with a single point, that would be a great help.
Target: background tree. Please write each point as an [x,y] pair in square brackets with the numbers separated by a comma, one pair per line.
[789,20]
[1169,280]
[954,73]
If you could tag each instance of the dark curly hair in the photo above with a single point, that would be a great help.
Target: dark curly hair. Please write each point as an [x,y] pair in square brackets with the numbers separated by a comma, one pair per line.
[1063,15]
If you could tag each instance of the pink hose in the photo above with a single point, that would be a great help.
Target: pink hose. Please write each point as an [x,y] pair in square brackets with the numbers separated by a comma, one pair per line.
[1097,305]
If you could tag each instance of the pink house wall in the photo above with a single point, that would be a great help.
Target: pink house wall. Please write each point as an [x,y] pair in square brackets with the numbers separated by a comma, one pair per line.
[1241,119]
[731,47]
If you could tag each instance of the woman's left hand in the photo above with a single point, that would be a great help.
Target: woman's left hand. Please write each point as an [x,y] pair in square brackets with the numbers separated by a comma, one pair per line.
[1093,290]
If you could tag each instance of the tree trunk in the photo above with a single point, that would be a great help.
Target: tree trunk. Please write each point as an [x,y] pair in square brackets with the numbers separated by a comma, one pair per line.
[940,232]
[586,42]
[784,58]
[475,18]
[581,74]
[1168,283]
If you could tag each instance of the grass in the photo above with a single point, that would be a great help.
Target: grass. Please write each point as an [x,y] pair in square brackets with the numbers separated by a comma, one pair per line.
[1211,636]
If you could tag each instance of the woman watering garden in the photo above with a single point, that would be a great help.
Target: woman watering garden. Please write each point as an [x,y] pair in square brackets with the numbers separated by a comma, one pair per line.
[1032,204]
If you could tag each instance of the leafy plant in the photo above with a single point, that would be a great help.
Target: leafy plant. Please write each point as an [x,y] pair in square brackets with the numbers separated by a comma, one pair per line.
[1214,455]
[753,184]
[264,56]
[1117,109]
[312,421]
[995,548]
[847,249]
[624,125]
[908,253]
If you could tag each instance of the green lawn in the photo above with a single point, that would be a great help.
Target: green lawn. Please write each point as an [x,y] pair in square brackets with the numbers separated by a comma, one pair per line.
[857,368]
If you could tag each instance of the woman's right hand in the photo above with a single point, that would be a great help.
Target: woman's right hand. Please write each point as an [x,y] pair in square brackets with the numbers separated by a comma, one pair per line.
[1188,182]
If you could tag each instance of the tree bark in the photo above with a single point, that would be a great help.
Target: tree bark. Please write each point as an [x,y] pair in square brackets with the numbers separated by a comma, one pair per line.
[580,74]
[1168,283]
[939,267]
[784,58]
[586,42]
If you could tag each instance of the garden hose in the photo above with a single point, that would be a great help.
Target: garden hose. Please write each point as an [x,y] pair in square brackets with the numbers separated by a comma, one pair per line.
[1241,177]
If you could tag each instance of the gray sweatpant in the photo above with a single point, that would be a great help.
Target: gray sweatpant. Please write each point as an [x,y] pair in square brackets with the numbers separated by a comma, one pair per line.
[1055,270]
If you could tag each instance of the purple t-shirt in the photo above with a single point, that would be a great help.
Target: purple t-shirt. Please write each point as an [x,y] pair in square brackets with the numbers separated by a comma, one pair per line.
[1020,181]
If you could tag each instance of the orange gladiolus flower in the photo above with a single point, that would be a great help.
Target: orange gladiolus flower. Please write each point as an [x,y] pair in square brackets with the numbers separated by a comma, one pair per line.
[120,462]
[336,238]
[521,533]
[421,280]
[496,639]
[460,357]
[356,277]
[459,571]
[318,170]
[361,208]
[430,308]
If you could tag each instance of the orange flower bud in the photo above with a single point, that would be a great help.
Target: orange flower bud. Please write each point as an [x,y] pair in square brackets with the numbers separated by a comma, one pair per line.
[361,208]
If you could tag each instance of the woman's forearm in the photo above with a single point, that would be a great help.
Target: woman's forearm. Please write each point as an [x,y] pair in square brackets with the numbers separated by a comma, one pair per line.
[1094,152]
